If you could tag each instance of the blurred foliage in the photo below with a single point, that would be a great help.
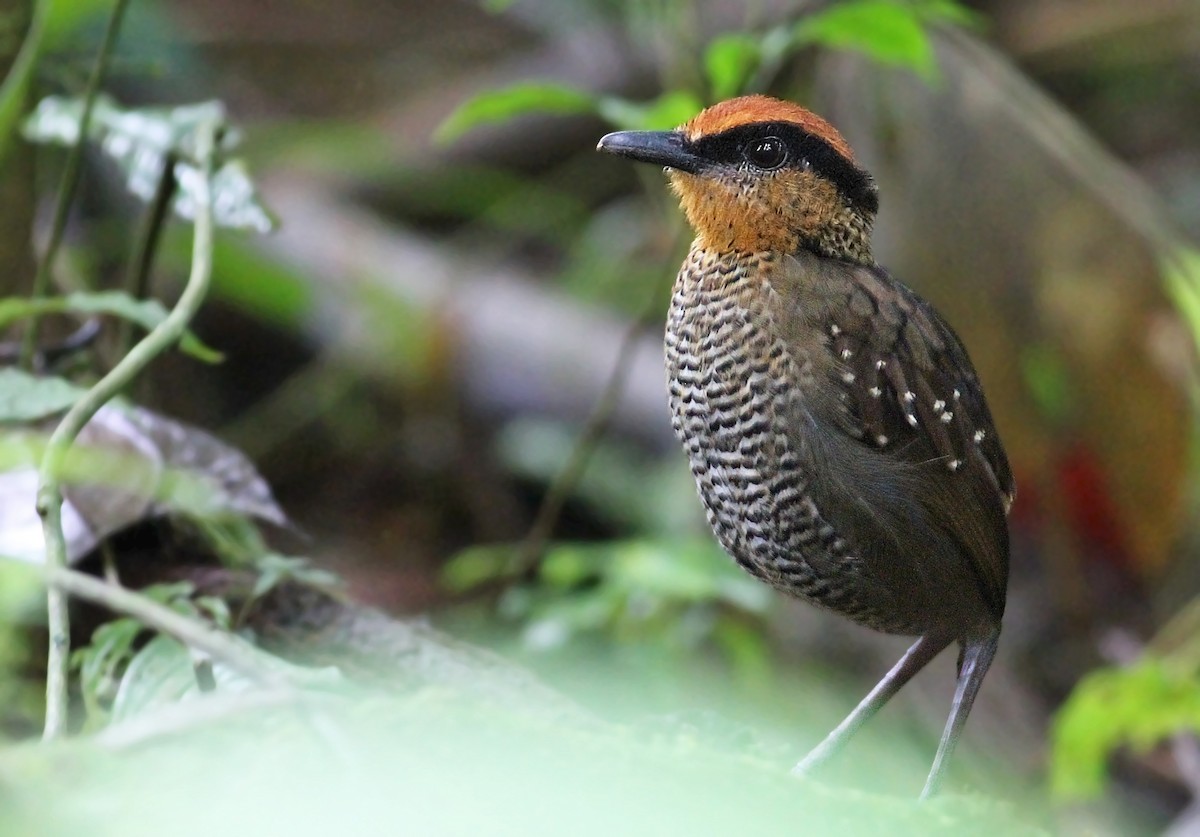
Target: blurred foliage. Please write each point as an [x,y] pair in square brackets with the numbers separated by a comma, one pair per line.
[1181,273]
[263,288]
[1137,707]
[495,199]
[143,141]
[171,147]
[679,594]
[1048,379]
[114,662]
[247,279]
[22,603]
[24,397]
[666,586]
[433,762]
[620,486]
[498,106]
[146,313]
[148,464]
[889,31]
[502,105]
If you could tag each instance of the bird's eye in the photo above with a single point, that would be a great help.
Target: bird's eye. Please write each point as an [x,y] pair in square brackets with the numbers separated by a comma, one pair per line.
[766,153]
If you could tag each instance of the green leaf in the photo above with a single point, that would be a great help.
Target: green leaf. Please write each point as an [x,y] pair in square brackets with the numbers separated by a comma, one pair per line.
[140,141]
[235,200]
[100,663]
[478,565]
[1137,706]
[104,663]
[495,106]
[669,110]
[176,594]
[25,398]
[147,313]
[1180,270]
[568,565]
[160,673]
[729,62]
[696,571]
[950,12]
[889,31]
[215,609]
[275,569]
[64,20]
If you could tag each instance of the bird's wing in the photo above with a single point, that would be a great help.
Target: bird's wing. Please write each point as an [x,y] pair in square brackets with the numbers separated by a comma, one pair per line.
[907,392]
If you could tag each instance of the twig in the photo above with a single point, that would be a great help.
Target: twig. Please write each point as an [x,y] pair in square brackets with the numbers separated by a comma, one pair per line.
[534,545]
[216,643]
[137,277]
[49,499]
[70,177]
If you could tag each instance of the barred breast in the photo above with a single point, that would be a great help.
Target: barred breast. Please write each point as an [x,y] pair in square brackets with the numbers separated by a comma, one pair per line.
[736,388]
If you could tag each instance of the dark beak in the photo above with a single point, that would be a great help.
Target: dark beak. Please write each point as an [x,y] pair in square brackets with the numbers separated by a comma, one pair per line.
[664,148]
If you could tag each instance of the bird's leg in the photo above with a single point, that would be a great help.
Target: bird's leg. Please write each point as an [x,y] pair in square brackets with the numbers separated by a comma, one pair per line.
[976,658]
[914,659]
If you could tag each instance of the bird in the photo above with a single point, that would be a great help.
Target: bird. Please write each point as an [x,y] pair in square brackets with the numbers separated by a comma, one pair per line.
[836,428]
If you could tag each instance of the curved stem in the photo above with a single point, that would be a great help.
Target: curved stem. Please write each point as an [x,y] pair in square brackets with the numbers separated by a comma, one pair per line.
[49,498]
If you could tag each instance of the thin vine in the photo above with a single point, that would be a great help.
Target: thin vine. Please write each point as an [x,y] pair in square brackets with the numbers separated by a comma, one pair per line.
[49,498]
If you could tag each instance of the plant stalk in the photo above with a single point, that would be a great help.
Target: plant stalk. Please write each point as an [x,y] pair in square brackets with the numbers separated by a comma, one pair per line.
[49,498]
[70,178]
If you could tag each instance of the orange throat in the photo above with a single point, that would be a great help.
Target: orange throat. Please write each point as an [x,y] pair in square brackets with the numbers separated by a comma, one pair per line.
[774,216]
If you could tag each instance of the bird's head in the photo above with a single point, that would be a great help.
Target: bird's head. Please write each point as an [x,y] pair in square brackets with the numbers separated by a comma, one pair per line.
[759,174]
